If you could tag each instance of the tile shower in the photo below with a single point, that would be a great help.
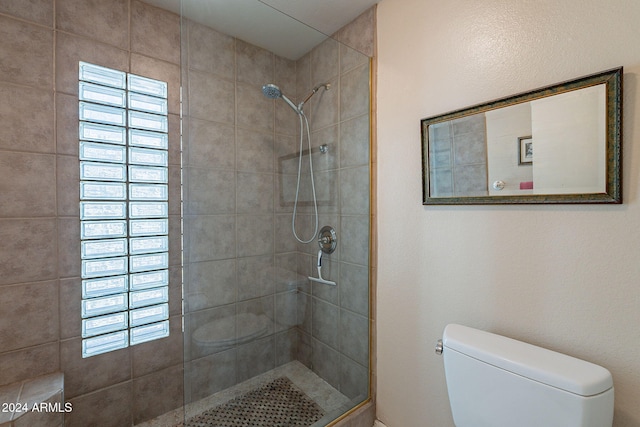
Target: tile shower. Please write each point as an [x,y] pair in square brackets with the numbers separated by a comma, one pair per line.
[241,259]
[236,216]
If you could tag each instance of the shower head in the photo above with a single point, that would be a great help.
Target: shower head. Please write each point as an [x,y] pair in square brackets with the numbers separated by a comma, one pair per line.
[272,91]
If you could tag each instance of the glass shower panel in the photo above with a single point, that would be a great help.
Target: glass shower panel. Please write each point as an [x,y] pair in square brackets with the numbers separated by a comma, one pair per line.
[251,315]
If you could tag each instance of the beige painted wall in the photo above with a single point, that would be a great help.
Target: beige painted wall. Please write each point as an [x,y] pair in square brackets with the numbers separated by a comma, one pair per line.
[563,277]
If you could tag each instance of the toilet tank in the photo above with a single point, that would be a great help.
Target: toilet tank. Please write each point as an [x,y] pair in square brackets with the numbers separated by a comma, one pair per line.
[495,381]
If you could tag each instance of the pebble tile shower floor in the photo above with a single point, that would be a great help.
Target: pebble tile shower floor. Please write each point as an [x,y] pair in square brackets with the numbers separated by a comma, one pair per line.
[331,402]
[276,404]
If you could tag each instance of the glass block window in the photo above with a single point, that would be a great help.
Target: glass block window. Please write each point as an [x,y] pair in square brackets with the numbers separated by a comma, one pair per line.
[123,209]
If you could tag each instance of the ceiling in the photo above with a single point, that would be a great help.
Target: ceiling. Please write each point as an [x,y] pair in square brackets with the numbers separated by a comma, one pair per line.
[289,28]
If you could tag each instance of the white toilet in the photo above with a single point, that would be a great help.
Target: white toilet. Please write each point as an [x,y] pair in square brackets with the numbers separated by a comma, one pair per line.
[494,381]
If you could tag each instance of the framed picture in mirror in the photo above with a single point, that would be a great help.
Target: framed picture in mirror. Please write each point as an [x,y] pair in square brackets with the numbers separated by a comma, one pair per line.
[525,150]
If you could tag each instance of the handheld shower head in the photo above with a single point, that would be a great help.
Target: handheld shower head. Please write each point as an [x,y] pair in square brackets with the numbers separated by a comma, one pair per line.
[272,91]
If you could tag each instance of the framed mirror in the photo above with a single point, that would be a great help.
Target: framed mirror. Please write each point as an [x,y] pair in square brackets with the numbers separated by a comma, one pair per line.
[557,144]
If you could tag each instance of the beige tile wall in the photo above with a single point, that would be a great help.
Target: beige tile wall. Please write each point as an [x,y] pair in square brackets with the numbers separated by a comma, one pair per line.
[334,330]
[230,226]
[39,226]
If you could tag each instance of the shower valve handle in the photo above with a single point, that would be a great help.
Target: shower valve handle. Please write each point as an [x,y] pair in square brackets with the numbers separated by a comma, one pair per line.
[327,239]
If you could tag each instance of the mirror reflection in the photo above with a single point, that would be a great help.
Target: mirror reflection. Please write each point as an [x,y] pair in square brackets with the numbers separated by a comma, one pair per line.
[557,144]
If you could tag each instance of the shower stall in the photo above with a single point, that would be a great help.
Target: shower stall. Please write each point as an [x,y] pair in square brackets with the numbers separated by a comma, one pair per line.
[275,147]
[101,100]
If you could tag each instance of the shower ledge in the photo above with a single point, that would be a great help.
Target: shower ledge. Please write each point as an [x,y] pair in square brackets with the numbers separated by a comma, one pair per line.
[34,402]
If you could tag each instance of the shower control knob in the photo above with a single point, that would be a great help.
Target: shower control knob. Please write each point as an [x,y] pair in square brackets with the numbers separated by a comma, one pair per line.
[439,347]
[327,239]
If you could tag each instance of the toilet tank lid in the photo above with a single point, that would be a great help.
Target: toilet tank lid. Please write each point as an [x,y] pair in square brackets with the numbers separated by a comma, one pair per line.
[536,363]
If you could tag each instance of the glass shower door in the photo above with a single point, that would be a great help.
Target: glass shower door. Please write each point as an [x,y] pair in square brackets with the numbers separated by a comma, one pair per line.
[258,332]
